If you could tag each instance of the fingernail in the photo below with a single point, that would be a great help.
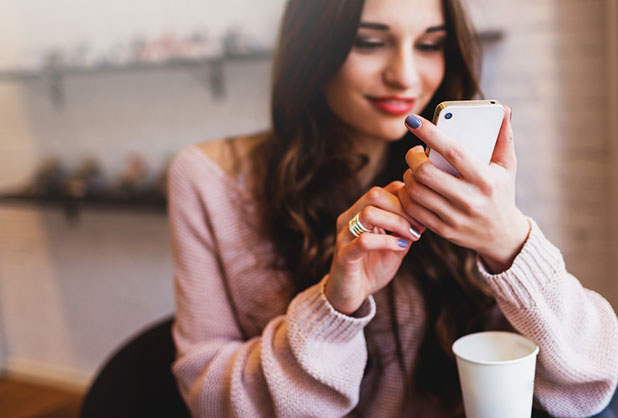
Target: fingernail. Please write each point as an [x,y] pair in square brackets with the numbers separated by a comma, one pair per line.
[511,115]
[413,121]
[402,243]
[415,232]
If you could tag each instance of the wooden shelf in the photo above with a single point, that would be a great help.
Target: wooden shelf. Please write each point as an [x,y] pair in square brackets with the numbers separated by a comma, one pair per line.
[73,206]
[176,63]
[55,76]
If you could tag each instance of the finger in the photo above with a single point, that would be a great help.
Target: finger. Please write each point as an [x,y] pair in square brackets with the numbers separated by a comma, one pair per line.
[504,152]
[372,217]
[415,157]
[417,148]
[378,197]
[429,199]
[426,173]
[422,215]
[393,186]
[416,228]
[468,165]
[365,243]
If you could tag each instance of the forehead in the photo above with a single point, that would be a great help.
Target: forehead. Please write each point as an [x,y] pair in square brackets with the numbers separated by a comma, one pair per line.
[404,15]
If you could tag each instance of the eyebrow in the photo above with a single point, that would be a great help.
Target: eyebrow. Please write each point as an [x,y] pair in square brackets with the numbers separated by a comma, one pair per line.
[382,26]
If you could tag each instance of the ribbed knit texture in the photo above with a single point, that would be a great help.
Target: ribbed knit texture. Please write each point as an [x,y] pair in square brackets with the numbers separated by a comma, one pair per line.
[261,351]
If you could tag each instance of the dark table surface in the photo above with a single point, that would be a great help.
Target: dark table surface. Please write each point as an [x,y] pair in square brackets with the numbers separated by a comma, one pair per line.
[610,412]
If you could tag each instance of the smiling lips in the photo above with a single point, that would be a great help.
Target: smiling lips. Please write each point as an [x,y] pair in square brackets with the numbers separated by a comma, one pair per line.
[393,105]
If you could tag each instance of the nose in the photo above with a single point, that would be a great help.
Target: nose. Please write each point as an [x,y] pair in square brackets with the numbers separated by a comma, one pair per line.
[401,71]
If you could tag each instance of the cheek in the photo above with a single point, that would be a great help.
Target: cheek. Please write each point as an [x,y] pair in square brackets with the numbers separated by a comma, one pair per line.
[345,92]
[432,75]
[353,78]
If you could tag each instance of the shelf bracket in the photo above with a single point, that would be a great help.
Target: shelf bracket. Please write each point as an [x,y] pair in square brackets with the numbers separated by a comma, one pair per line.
[56,88]
[217,79]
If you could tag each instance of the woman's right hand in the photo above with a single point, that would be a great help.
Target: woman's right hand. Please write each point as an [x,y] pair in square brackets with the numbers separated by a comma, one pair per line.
[365,264]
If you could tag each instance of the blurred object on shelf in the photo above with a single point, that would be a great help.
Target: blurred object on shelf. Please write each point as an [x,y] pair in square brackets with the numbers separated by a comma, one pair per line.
[82,57]
[53,59]
[119,54]
[134,179]
[136,188]
[137,45]
[158,50]
[87,180]
[48,179]
[236,42]
[136,183]
[202,46]
[169,47]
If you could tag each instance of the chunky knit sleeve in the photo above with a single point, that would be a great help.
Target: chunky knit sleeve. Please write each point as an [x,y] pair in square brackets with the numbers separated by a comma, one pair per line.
[575,328]
[308,362]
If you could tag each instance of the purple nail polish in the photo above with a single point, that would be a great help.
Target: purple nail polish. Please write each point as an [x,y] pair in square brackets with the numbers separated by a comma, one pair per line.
[413,121]
[415,232]
[402,243]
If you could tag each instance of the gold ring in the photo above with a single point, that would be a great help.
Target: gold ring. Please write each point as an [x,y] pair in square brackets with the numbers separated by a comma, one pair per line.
[356,227]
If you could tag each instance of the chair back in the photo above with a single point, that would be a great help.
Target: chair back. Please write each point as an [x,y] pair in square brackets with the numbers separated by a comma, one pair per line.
[136,381]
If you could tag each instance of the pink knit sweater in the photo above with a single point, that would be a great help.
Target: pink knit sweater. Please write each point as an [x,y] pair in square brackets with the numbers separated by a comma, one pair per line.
[302,358]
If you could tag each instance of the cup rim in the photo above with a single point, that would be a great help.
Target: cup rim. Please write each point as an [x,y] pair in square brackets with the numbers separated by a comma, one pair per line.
[534,352]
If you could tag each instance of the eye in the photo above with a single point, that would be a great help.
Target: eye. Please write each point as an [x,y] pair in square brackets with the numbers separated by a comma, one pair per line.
[367,43]
[431,47]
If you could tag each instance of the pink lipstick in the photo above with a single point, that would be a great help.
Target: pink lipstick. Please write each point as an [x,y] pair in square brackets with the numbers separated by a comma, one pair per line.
[393,105]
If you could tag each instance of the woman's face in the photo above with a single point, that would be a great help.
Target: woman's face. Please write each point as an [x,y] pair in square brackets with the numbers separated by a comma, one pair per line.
[393,69]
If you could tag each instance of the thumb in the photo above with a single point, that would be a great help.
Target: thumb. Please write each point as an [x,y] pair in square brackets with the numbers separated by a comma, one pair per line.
[504,152]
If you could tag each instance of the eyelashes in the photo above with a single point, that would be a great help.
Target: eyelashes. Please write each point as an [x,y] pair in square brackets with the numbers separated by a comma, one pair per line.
[367,44]
[370,45]
[438,46]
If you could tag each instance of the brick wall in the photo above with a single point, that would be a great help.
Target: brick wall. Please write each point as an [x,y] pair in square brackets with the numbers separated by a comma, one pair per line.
[552,68]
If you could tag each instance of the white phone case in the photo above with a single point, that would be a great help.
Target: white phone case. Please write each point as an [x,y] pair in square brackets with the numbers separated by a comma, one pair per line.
[474,123]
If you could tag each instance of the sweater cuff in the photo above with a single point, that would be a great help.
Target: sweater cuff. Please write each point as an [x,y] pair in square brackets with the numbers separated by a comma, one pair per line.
[537,266]
[310,315]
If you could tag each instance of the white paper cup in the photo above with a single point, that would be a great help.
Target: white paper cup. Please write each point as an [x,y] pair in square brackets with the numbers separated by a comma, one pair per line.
[496,372]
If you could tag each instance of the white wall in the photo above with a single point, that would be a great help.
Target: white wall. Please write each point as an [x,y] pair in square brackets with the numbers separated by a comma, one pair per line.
[70,293]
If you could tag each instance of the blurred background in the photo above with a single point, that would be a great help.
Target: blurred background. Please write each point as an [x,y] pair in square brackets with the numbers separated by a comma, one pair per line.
[96,98]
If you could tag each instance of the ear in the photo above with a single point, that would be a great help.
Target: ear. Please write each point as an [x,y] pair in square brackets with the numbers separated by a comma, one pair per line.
[504,152]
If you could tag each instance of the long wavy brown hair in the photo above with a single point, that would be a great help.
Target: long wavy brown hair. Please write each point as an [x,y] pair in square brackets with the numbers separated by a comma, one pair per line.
[310,174]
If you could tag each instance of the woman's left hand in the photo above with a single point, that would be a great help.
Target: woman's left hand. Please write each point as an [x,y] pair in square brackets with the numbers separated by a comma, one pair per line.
[477,208]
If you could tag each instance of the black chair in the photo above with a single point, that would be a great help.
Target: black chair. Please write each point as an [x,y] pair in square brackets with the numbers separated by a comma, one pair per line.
[137,381]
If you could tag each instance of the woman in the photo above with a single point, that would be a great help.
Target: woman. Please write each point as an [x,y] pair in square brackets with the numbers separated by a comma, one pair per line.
[292,297]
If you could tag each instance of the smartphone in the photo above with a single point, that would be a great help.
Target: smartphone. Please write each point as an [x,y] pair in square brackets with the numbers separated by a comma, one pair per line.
[474,123]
